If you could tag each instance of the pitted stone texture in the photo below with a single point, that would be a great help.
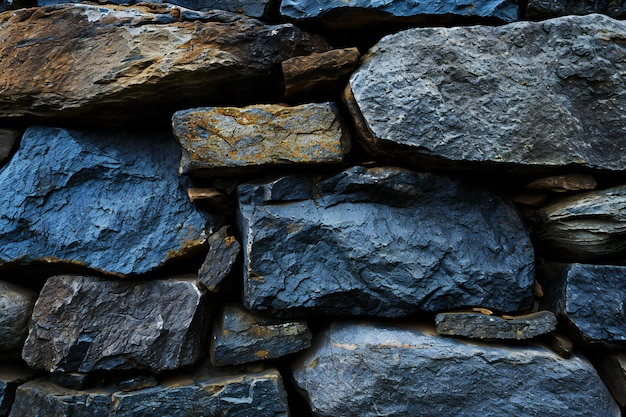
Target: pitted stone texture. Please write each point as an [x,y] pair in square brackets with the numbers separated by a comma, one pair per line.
[230,140]
[588,227]
[235,392]
[107,201]
[589,297]
[110,62]
[224,250]
[16,307]
[240,337]
[383,242]
[360,369]
[543,9]
[85,324]
[524,96]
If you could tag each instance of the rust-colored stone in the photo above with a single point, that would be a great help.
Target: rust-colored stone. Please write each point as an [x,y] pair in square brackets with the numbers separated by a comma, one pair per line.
[564,183]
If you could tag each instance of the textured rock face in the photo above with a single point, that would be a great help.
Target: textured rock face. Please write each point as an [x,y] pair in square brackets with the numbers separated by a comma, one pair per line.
[381,241]
[16,307]
[570,289]
[208,392]
[11,375]
[229,140]
[552,8]
[107,201]
[136,61]
[412,371]
[589,227]
[240,337]
[85,324]
[542,94]
[224,250]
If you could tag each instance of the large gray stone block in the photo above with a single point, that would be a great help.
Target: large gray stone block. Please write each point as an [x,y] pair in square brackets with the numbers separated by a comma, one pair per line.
[382,241]
[365,369]
[543,9]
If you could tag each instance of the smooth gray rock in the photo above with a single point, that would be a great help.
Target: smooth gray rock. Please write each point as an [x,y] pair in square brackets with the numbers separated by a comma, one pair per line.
[588,227]
[85,324]
[12,374]
[224,250]
[543,9]
[7,141]
[590,298]
[112,202]
[382,242]
[208,392]
[16,307]
[489,327]
[361,369]
[525,96]
[241,337]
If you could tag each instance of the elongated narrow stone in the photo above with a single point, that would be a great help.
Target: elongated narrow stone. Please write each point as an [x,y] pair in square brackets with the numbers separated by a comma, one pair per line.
[544,9]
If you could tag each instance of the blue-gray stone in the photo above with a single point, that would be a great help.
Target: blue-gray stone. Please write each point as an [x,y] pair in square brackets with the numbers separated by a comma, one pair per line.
[112,202]
[12,374]
[382,242]
[543,9]
[367,370]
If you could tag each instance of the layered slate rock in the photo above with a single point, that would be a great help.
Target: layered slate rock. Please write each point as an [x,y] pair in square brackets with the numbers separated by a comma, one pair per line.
[381,241]
[111,62]
[240,337]
[16,307]
[12,374]
[85,324]
[522,96]
[110,201]
[489,327]
[224,250]
[564,183]
[230,140]
[588,227]
[588,297]
[7,141]
[209,391]
[376,369]
[543,9]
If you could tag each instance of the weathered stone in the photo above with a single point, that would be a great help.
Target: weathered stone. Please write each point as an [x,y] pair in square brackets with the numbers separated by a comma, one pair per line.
[359,369]
[229,140]
[489,327]
[564,183]
[85,323]
[559,343]
[7,141]
[137,382]
[12,374]
[224,250]
[318,73]
[588,227]
[110,62]
[16,306]
[588,297]
[525,96]
[612,369]
[72,380]
[542,9]
[15,4]
[381,241]
[207,392]
[240,337]
[107,201]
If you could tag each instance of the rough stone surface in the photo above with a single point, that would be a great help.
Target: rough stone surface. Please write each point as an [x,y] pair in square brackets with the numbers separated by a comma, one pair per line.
[564,183]
[588,227]
[612,369]
[7,141]
[107,201]
[542,9]
[85,323]
[489,327]
[12,374]
[230,140]
[381,241]
[207,392]
[224,249]
[137,61]
[16,307]
[241,337]
[376,369]
[537,95]
[590,298]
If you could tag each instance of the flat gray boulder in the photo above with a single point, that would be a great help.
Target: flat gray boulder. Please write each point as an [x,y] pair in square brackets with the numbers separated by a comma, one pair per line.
[367,369]
[382,242]
[524,96]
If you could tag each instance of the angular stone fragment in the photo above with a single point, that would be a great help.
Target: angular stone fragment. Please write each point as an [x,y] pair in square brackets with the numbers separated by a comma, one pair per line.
[543,9]
[16,307]
[12,374]
[240,337]
[536,95]
[229,140]
[559,343]
[612,369]
[564,183]
[319,72]
[110,62]
[85,324]
[588,227]
[207,392]
[590,298]
[107,201]
[360,369]
[224,250]
[7,140]
[382,241]
[489,327]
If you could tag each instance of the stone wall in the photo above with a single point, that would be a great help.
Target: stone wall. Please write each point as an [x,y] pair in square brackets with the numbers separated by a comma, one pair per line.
[312,208]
